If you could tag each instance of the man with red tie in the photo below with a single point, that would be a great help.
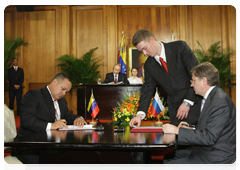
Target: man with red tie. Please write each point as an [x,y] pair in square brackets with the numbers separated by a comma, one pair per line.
[15,78]
[169,65]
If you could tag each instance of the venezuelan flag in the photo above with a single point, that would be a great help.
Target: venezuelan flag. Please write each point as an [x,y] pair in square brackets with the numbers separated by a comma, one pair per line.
[93,108]
[123,56]
[157,106]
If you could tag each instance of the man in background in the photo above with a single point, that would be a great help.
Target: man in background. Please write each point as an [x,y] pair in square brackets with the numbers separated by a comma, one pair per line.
[15,78]
[169,65]
[214,139]
[44,110]
[115,77]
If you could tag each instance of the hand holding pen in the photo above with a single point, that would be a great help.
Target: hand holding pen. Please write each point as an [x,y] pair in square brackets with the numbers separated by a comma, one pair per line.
[59,124]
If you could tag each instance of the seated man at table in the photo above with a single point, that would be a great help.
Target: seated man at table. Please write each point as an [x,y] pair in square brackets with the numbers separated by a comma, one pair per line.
[42,110]
[214,139]
[115,77]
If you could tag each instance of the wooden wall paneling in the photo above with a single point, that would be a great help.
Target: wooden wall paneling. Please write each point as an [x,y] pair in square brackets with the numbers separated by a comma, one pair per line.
[174,21]
[9,20]
[232,43]
[206,25]
[110,38]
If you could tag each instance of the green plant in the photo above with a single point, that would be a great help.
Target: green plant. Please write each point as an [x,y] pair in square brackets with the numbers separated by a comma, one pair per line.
[220,59]
[10,45]
[83,70]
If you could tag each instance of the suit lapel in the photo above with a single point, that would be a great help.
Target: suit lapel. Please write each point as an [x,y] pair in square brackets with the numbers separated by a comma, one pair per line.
[208,101]
[49,102]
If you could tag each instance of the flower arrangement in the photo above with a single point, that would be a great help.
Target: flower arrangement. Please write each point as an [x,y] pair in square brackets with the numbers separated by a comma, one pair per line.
[128,109]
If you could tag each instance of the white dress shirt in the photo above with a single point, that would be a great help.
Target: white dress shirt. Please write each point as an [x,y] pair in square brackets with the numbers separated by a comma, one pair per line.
[135,81]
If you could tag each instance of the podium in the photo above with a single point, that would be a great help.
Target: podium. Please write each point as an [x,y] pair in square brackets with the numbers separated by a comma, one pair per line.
[106,96]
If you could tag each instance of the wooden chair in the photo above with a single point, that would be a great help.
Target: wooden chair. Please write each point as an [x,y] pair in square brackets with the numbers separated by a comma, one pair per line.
[10,133]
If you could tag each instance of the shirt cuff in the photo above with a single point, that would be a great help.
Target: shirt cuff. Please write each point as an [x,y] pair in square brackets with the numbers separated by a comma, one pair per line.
[191,103]
[48,126]
[141,112]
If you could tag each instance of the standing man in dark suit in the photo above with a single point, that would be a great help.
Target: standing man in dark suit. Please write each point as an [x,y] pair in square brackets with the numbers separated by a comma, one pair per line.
[169,65]
[115,77]
[214,139]
[42,110]
[15,78]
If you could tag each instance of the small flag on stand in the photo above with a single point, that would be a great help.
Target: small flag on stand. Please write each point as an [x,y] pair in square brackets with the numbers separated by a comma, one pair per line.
[93,108]
[122,56]
[157,106]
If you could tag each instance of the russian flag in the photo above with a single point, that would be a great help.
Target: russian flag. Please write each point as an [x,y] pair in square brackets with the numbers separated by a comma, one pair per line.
[93,108]
[157,106]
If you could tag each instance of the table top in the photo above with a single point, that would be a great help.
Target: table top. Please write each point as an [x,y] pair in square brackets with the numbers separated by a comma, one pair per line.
[107,138]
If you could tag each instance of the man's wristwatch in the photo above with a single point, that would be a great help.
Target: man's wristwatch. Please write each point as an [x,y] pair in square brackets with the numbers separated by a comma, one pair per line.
[187,104]
[81,117]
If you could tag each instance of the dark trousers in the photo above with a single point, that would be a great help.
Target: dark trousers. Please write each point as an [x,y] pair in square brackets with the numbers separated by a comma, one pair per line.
[178,157]
[26,155]
[12,94]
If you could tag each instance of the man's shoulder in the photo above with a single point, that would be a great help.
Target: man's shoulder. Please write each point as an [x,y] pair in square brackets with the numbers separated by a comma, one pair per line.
[179,42]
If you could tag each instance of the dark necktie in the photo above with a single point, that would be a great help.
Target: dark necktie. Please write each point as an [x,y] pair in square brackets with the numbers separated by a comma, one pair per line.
[115,80]
[164,64]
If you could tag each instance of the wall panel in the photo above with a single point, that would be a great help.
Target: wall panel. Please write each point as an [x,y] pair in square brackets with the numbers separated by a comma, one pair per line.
[52,31]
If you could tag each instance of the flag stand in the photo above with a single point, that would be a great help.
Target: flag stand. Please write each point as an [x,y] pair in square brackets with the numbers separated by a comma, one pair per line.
[158,123]
[92,122]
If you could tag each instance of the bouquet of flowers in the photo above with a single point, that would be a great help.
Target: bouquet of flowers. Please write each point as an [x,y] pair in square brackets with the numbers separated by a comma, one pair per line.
[126,110]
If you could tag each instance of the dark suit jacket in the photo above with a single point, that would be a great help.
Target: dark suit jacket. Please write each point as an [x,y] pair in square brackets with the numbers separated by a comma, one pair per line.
[180,60]
[37,110]
[121,77]
[15,78]
[214,139]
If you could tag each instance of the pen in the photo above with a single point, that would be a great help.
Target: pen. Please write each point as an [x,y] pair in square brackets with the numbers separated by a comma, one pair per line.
[99,122]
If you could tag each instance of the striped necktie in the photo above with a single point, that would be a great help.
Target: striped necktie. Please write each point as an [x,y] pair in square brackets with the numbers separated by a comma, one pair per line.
[55,107]
[202,104]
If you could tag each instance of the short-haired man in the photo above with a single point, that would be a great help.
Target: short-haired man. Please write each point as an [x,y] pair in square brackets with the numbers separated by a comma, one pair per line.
[115,77]
[42,110]
[214,139]
[15,78]
[169,65]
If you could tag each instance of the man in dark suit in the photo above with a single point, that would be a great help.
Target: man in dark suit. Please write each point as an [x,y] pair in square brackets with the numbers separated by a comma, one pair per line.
[15,78]
[214,139]
[169,65]
[115,77]
[42,110]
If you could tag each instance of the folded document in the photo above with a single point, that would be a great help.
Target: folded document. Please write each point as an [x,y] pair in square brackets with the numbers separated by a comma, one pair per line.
[85,127]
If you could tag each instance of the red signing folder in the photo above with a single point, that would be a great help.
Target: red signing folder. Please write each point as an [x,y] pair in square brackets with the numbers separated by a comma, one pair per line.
[146,129]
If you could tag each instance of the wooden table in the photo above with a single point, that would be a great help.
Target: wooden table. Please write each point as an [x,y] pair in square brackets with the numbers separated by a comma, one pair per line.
[106,97]
[97,147]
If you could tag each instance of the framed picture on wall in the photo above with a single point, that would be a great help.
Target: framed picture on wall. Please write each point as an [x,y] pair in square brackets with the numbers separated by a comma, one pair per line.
[136,59]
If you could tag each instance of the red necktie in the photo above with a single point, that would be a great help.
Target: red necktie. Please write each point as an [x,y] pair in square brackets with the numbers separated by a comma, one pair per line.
[16,69]
[164,64]
[115,81]
[55,107]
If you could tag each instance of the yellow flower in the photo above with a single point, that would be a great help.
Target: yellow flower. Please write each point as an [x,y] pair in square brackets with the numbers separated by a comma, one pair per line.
[127,119]
[115,118]
[119,116]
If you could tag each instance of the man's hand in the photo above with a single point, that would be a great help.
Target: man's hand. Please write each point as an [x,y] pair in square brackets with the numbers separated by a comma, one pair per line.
[16,86]
[169,128]
[137,120]
[59,124]
[79,122]
[183,111]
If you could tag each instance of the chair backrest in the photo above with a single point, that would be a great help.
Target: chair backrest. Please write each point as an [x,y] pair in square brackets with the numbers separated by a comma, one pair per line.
[9,123]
